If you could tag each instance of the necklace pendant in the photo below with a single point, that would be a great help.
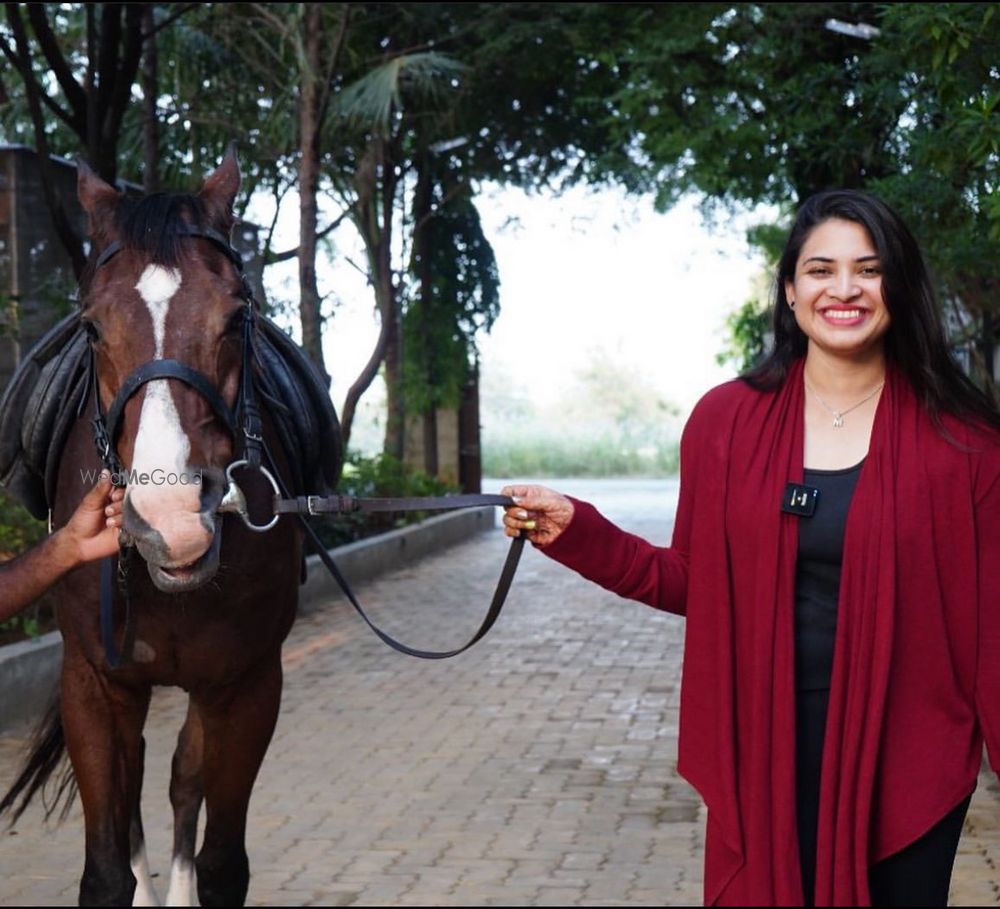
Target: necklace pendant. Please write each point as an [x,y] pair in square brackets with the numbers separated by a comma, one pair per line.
[838,420]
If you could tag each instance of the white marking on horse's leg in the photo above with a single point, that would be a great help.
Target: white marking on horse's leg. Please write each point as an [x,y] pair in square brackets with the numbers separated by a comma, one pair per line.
[145,893]
[183,884]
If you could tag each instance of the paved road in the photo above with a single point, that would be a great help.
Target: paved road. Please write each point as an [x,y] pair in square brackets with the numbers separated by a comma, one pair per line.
[537,769]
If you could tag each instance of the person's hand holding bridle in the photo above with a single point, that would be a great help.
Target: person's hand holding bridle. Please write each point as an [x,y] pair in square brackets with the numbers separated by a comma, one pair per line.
[92,531]
[541,513]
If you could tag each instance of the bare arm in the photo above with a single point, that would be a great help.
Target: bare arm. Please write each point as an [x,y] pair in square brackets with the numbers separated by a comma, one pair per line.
[92,532]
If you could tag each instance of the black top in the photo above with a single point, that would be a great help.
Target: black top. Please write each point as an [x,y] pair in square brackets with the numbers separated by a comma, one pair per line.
[817,575]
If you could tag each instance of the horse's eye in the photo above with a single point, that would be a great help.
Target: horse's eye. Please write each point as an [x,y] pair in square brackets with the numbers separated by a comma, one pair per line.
[93,332]
[235,324]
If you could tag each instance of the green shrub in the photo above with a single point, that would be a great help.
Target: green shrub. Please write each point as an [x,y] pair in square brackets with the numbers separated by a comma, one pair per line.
[19,531]
[565,456]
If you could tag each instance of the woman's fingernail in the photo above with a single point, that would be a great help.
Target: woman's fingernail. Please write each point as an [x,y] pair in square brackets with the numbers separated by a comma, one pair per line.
[517,500]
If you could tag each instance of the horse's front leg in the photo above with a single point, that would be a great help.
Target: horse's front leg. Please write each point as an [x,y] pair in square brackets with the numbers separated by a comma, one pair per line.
[237,725]
[145,892]
[102,722]
[186,796]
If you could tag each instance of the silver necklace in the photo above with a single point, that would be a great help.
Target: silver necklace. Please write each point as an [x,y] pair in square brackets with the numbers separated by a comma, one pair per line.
[838,415]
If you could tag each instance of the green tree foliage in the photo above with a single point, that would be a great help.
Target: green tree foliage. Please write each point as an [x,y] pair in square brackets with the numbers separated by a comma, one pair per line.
[455,293]
[751,103]
[744,103]
[749,335]
[947,181]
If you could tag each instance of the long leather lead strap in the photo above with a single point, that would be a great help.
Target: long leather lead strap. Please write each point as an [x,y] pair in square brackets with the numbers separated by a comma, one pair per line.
[114,573]
[349,504]
[499,596]
[109,571]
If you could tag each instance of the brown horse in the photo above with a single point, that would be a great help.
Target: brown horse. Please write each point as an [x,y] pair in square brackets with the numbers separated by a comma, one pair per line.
[211,612]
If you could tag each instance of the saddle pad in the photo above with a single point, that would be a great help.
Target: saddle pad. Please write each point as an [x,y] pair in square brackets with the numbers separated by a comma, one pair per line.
[50,390]
[291,389]
[38,407]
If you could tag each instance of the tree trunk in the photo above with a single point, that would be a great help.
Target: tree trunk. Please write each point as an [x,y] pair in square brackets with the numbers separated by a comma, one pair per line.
[395,421]
[150,90]
[90,140]
[470,460]
[421,266]
[64,228]
[371,170]
[309,298]
[430,442]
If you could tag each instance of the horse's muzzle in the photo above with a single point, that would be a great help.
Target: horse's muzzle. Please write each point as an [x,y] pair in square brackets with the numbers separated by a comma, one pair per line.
[180,547]
[182,578]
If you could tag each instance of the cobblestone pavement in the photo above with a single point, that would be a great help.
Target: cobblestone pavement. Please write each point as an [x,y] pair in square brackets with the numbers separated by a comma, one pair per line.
[537,769]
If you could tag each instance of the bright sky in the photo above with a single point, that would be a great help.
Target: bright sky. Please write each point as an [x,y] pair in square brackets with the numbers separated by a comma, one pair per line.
[580,272]
[601,270]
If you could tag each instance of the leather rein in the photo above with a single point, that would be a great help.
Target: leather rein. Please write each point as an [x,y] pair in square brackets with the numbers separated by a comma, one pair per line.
[245,425]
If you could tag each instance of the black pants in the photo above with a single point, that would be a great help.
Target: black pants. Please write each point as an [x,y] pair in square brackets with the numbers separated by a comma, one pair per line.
[918,875]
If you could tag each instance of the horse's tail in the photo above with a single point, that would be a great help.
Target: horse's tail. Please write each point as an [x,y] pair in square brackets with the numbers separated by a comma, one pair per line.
[48,752]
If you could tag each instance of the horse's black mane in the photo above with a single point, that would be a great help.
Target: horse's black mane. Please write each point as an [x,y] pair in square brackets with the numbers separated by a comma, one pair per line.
[157,224]
[153,225]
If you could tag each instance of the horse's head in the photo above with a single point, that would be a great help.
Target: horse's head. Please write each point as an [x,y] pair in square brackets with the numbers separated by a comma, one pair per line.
[168,293]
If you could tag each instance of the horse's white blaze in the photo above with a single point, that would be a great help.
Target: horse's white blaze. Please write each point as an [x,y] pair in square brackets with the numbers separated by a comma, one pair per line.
[160,442]
[161,445]
[145,893]
[183,890]
[157,286]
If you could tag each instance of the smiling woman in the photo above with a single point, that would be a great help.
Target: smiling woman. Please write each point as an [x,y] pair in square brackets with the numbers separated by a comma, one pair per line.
[835,553]
[839,293]
[836,295]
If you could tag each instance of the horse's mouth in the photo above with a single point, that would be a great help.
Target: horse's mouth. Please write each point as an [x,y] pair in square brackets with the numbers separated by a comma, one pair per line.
[181,578]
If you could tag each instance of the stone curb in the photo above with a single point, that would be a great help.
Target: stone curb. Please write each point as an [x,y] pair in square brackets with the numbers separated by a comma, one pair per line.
[29,669]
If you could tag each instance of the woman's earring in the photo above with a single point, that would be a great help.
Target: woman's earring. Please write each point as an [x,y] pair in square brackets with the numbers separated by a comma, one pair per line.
[791,304]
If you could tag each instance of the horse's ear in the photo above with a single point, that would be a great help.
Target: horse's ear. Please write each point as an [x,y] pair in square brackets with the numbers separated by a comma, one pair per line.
[99,200]
[218,193]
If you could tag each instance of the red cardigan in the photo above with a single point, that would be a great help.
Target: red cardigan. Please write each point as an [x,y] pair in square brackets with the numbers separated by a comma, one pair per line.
[916,676]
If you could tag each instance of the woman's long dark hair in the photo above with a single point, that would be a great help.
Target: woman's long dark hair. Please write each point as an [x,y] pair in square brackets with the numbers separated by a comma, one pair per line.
[916,342]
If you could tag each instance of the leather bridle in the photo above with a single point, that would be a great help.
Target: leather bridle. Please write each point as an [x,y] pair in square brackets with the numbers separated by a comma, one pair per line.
[106,428]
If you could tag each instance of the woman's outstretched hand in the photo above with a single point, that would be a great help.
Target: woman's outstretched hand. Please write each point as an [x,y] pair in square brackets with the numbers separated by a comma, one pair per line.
[539,512]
